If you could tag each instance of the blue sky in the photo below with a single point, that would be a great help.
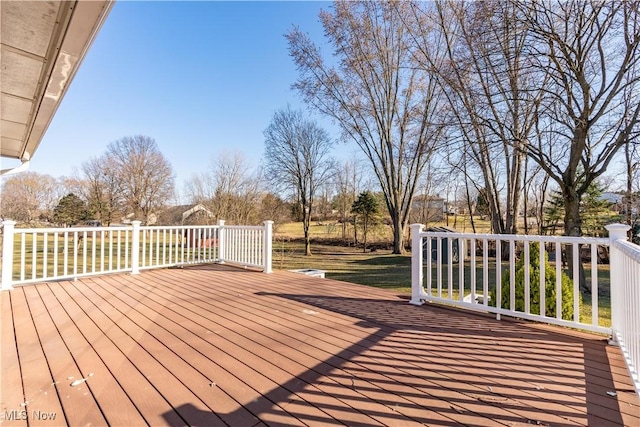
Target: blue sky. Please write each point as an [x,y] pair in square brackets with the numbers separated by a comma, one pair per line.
[198,77]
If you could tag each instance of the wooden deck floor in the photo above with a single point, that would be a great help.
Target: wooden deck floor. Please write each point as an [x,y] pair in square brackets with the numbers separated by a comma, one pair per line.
[216,345]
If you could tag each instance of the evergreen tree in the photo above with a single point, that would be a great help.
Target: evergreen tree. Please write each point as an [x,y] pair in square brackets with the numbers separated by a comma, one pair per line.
[594,210]
[366,207]
[70,210]
[534,287]
[553,213]
[482,204]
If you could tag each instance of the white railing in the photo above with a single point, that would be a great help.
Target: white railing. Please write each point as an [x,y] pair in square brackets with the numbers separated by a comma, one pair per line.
[502,274]
[44,254]
[625,298]
[479,262]
[247,245]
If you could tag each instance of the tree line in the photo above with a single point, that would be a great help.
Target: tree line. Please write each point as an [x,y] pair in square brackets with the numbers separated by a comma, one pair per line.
[508,94]
[505,99]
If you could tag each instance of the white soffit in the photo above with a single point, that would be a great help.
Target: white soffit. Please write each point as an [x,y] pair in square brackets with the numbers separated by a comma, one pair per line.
[42,44]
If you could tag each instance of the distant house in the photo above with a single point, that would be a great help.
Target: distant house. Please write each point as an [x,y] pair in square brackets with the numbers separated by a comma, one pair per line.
[185,215]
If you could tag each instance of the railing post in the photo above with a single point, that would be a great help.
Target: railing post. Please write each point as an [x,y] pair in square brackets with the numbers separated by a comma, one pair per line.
[221,242]
[616,232]
[7,254]
[135,247]
[267,250]
[416,264]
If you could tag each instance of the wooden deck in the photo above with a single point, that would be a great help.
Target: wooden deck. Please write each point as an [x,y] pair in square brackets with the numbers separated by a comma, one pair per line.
[215,345]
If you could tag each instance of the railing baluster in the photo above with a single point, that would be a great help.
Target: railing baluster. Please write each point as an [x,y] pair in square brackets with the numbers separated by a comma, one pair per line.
[119,248]
[558,280]
[512,275]
[45,255]
[498,277]
[429,266]
[65,269]
[127,243]
[485,271]
[576,282]
[439,267]
[110,251]
[472,269]
[158,247]
[542,282]
[93,251]
[102,243]
[34,254]
[75,254]
[527,279]
[594,285]
[164,246]
[23,254]
[56,249]
[461,289]
[84,252]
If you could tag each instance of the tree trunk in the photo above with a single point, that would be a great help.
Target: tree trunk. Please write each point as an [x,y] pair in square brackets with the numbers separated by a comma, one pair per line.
[364,231]
[306,222]
[398,234]
[572,227]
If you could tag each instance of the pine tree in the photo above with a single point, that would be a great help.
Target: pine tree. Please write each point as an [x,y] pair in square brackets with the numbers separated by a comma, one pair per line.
[70,210]
[366,207]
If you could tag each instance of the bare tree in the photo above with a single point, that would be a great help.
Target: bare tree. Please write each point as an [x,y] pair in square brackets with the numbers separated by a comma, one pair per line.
[102,188]
[199,189]
[589,51]
[144,175]
[494,94]
[230,188]
[348,183]
[28,196]
[375,94]
[237,188]
[297,160]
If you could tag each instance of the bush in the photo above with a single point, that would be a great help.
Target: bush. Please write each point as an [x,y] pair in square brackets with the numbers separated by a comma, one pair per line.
[534,287]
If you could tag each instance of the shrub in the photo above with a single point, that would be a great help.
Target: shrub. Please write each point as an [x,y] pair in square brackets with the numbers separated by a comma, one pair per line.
[534,287]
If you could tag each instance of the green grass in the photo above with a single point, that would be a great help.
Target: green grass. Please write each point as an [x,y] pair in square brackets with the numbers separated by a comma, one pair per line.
[381,269]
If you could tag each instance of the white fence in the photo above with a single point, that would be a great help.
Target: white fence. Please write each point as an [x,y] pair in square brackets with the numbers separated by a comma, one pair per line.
[41,254]
[625,300]
[502,274]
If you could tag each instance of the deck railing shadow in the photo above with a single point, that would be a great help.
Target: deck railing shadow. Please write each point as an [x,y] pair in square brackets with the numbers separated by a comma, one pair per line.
[406,344]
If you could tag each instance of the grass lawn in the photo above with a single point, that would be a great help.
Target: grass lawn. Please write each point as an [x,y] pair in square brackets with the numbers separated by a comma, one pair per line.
[381,269]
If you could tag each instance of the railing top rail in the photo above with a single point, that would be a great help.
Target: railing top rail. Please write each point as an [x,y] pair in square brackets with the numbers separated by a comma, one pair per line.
[69,229]
[113,228]
[245,227]
[629,249]
[520,237]
[177,227]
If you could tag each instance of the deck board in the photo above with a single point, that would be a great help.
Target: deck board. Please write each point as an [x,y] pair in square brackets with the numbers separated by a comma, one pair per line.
[111,400]
[79,407]
[40,390]
[148,402]
[217,345]
[11,390]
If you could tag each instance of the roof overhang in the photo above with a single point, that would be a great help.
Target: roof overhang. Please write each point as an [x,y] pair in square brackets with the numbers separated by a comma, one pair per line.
[42,47]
